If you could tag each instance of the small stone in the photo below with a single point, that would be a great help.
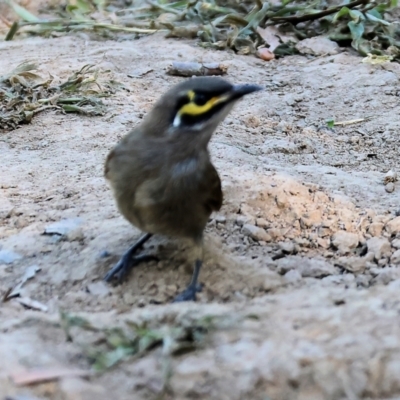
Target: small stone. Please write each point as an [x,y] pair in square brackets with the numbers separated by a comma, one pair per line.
[307,267]
[244,219]
[293,276]
[256,233]
[220,219]
[375,229]
[262,223]
[345,241]
[99,289]
[395,259]
[396,243]
[393,226]
[8,256]
[389,187]
[383,262]
[311,219]
[353,264]
[324,243]
[380,247]
[274,233]
[287,247]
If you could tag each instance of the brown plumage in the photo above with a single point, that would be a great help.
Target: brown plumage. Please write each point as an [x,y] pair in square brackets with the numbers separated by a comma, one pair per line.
[161,173]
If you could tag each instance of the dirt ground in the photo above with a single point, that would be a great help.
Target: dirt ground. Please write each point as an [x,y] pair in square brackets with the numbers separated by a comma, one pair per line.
[308,238]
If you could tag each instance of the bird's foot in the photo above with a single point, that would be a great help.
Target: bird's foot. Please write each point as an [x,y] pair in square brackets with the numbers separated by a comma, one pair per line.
[125,264]
[189,294]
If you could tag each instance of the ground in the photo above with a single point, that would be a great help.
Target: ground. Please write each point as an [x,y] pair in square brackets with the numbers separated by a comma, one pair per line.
[306,240]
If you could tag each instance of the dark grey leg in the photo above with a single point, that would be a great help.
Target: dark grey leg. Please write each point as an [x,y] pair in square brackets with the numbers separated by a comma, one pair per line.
[189,294]
[128,260]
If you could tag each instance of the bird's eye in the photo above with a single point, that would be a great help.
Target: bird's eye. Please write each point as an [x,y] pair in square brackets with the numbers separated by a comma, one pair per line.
[200,99]
[182,101]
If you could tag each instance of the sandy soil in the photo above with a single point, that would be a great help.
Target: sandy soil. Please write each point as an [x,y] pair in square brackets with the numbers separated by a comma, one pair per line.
[307,239]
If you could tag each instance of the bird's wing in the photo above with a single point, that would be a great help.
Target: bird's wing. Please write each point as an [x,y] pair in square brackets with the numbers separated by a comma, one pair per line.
[211,187]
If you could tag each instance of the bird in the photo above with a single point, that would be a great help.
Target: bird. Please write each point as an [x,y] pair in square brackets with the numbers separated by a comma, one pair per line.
[161,173]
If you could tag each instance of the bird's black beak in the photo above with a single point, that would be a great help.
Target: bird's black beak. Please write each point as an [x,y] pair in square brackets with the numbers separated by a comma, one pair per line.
[239,91]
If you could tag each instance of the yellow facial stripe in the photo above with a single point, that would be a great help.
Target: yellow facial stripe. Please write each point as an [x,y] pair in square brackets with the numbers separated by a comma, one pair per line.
[193,109]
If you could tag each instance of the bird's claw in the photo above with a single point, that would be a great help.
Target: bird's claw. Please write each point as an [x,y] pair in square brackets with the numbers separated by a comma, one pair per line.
[124,265]
[189,294]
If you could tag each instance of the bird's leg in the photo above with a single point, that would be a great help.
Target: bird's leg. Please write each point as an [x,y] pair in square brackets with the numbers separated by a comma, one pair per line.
[189,294]
[128,261]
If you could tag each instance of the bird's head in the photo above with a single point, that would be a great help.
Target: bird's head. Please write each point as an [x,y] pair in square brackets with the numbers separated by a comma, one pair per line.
[197,106]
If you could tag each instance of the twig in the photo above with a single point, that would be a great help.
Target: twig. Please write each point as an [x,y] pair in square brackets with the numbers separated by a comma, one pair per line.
[350,122]
[76,24]
[310,17]
[193,68]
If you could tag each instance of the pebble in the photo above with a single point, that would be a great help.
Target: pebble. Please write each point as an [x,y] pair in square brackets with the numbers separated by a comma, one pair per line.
[345,241]
[262,223]
[287,247]
[396,243]
[256,233]
[311,219]
[353,264]
[220,219]
[293,276]
[393,226]
[324,243]
[307,267]
[244,219]
[395,259]
[375,229]
[389,187]
[380,247]
[8,256]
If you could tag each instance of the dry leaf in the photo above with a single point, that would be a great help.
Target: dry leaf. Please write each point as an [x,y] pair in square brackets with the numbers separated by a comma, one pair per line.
[269,34]
[375,59]
[29,274]
[33,304]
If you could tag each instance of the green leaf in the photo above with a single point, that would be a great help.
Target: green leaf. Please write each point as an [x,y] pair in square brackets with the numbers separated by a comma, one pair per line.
[341,13]
[23,13]
[330,123]
[375,13]
[110,358]
[356,16]
[13,30]
[394,3]
[356,30]
[375,19]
